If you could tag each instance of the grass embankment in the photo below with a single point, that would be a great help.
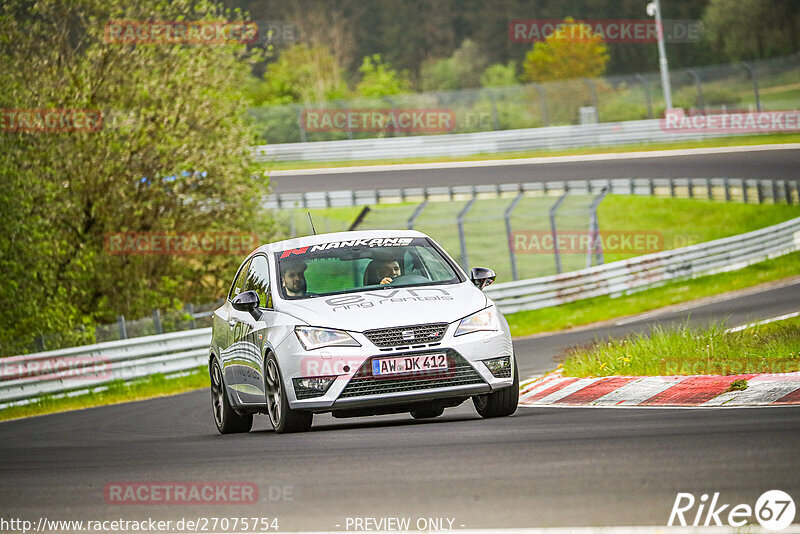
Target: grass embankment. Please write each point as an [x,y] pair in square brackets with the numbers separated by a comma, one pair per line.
[744,140]
[603,308]
[768,348]
[113,393]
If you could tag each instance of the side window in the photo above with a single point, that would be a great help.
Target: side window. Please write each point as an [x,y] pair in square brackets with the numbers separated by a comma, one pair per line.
[238,283]
[258,281]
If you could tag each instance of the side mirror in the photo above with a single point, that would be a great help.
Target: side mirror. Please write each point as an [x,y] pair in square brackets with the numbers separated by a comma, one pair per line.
[482,277]
[247,301]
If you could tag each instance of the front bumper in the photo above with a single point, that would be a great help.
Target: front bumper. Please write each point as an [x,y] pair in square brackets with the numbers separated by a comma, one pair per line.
[355,387]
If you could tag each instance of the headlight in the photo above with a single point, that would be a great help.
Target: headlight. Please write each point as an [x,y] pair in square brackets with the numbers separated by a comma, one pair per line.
[307,388]
[314,338]
[485,319]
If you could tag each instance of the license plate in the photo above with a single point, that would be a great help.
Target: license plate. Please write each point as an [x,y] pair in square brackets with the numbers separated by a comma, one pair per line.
[409,364]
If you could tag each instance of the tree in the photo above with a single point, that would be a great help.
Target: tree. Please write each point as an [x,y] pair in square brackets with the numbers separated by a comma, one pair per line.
[573,50]
[301,74]
[753,29]
[499,75]
[462,70]
[378,78]
[171,155]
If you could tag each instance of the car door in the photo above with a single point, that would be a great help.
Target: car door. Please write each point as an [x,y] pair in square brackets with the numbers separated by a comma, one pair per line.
[223,324]
[249,334]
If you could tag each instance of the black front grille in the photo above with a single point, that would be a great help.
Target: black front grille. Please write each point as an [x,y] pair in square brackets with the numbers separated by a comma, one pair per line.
[459,373]
[407,335]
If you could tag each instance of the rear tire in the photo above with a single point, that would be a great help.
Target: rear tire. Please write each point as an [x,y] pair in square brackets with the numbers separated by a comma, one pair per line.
[226,419]
[427,412]
[284,420]
[500,403]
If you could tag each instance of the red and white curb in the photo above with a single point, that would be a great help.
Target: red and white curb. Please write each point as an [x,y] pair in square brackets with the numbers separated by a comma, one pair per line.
[697,390]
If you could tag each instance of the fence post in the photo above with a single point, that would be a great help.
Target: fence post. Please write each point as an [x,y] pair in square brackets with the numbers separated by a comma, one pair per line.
[727,183]
[495,120]
[596,245]
[710,191]
[752,71]
[554,228]
[652,184]
[189,307]
[543,104]
[512,256]
[787,192]
[157,322]
[760,192]
[299,111]
[774,191]
[123,331]
[391,103]
[593,93]
[745,195]
[461,237]
[701,101]
[646,88]
[417,211]
[672,187]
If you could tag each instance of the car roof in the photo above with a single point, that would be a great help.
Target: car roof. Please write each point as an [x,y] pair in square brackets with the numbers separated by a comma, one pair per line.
[318,239]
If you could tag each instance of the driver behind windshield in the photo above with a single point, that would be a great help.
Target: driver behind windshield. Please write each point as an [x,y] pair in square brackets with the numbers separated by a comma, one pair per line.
[293,278]
[388,270]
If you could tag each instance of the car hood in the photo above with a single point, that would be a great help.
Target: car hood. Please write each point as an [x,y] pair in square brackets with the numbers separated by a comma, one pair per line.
[382,308]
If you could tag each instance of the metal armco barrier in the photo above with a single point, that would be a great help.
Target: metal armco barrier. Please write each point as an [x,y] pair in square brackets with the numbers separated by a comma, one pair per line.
[553,137]
[728,189]
[650,270]
[78,368]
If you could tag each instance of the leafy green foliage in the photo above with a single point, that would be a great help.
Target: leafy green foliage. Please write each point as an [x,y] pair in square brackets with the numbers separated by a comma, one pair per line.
[460,71]
[301,74]
[172,156]
[378,78]
[499,75]
[573,50]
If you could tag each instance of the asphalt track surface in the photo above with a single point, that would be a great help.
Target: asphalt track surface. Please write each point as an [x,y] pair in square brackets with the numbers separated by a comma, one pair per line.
[541,467]
[769,164]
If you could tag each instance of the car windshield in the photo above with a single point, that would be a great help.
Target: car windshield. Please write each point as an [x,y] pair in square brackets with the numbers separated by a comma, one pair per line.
[350,266]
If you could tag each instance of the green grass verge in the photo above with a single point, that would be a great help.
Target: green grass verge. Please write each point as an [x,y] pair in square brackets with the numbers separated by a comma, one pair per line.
[759,139]
[769,348]
[156,385]
[588,311]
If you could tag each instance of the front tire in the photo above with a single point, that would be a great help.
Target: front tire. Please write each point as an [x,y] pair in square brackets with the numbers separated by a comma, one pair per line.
[500,403]
[284,420]
[226,419]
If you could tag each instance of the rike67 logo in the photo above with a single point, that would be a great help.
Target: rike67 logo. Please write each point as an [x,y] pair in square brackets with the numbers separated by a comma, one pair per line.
[774,510]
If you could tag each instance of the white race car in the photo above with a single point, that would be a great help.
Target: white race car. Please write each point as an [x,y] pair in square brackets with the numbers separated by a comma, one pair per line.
[357,323]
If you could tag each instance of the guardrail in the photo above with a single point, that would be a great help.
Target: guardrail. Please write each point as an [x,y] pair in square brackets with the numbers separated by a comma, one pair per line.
[552,137]
[81,368]
[650,270]
[87,367]
[727,189]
